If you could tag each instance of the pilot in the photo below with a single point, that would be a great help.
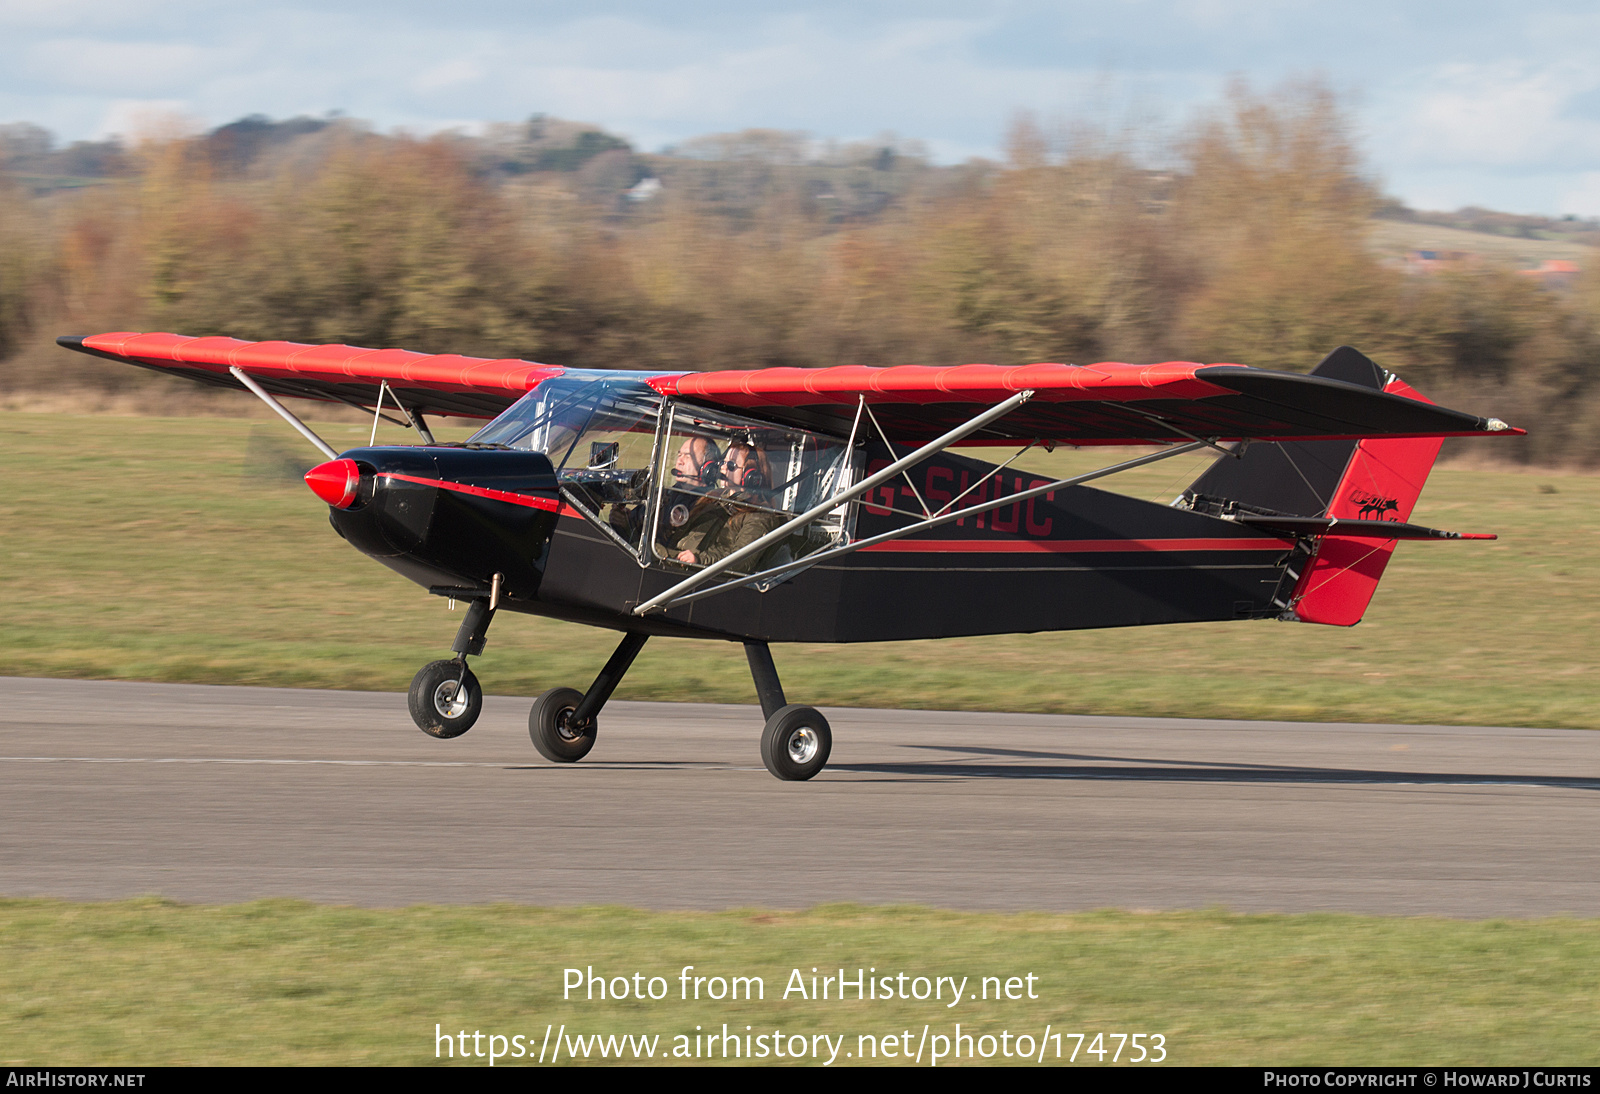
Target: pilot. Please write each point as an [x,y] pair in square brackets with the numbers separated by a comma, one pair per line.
[735,516]
[695,472]
[697,463]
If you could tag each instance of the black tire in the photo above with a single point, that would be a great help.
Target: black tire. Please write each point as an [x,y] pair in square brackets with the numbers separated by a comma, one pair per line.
[795,743]
[552,733]
[435,705]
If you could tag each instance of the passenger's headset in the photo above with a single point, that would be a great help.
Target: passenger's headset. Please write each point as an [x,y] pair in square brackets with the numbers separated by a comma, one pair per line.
[753,478]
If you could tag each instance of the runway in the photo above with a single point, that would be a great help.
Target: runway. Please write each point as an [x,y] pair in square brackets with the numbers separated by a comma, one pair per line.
[215,794]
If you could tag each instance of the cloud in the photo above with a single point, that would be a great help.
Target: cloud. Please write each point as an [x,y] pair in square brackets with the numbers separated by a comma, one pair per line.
[1582,199]
[97,15]
[117,68]
[149,119]
[1500,115]
[1489,91]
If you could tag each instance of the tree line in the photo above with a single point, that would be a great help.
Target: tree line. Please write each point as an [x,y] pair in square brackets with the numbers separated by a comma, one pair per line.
[1242,238]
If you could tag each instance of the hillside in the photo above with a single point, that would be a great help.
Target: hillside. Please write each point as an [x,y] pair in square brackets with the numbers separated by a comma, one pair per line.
[1393,238]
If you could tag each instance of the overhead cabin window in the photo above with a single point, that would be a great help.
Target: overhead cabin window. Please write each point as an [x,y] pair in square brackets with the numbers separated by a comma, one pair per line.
[724,481]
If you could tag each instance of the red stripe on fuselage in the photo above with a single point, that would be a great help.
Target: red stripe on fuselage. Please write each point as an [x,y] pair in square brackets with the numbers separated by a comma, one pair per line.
[532,501]
[1071,546]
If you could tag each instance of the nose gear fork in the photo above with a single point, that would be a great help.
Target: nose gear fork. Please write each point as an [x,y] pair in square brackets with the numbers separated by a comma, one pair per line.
[445,698]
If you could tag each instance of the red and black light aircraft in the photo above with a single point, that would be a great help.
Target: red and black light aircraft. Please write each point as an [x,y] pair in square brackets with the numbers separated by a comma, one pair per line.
[860,523]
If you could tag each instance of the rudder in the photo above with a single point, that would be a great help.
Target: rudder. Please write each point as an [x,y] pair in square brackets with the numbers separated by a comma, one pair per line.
[1347,480]
[1382,482]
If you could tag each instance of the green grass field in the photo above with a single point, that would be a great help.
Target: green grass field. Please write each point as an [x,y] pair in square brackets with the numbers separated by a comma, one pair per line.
[283,982]
[187,550]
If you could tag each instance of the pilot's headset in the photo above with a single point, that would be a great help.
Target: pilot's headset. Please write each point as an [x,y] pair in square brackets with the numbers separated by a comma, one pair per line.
[711,466]
[710,469]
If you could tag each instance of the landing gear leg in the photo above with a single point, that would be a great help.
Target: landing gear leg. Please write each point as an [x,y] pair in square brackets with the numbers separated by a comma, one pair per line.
[562,721]
[796,740]
[446,698]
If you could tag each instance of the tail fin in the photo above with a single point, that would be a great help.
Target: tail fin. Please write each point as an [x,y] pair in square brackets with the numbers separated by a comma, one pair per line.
[1382,482]
[1347,480]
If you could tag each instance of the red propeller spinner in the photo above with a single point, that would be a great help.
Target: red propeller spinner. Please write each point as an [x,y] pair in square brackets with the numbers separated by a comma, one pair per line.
[335,482]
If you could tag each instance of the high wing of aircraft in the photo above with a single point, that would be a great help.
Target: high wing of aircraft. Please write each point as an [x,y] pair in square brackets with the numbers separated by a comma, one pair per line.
[830,505]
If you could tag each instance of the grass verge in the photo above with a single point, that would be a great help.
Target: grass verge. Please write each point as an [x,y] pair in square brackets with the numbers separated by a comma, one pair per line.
[284,982]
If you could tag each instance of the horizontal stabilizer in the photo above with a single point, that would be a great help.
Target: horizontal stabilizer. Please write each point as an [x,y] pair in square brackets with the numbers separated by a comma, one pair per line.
[1356,529]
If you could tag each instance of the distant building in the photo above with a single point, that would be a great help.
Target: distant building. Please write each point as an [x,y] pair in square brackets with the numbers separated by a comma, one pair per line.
[1554,272]
[1426,262]
[644,189]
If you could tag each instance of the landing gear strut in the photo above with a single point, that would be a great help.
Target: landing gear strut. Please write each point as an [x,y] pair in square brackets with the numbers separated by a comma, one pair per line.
[796,741]
[445,698]
[562,722]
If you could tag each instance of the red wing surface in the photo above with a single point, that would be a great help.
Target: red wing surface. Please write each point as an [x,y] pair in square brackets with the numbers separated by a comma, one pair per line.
[448,384]
[1108,403]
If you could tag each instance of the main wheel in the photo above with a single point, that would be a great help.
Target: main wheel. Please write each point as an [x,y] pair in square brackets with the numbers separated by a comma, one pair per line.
[439,706]
[795,743]
[550,726]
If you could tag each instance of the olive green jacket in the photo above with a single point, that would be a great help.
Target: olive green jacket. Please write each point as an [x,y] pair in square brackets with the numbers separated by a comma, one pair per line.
[719,526]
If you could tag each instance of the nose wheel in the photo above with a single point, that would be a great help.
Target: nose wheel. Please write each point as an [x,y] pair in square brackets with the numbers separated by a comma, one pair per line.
[445,699]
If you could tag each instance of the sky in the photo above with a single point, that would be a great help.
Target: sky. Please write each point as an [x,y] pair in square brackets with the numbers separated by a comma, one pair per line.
[1474,102]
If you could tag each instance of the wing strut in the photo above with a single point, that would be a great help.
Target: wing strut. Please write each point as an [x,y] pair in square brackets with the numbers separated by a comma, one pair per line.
[785,530]
[377,411]
[945,518]
[926,512]
[283,411]
[417,422]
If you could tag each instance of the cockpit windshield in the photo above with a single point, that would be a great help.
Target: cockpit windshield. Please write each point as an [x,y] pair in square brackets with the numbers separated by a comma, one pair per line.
[676,484]
[600,434]
[552,416]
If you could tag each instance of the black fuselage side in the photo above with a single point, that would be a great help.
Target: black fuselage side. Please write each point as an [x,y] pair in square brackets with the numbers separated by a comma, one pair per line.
[1080,558]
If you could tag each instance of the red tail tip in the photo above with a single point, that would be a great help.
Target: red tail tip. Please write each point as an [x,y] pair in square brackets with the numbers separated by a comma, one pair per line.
[335,482]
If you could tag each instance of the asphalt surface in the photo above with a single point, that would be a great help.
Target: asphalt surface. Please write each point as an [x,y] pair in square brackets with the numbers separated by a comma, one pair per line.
[217,794]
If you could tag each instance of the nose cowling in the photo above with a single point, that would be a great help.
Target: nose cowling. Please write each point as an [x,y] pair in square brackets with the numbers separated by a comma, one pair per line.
[445,516]
[337,482]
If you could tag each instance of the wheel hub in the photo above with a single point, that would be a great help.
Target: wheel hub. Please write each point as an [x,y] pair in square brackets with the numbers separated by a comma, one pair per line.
[565,727]
[803,744]
[450,699]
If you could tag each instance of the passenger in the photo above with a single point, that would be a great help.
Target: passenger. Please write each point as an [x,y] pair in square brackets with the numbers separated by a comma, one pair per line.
[735,516]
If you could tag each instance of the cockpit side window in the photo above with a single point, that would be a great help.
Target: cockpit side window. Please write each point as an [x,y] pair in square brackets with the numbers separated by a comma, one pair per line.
[675,484]
[723,481]
[605,465]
